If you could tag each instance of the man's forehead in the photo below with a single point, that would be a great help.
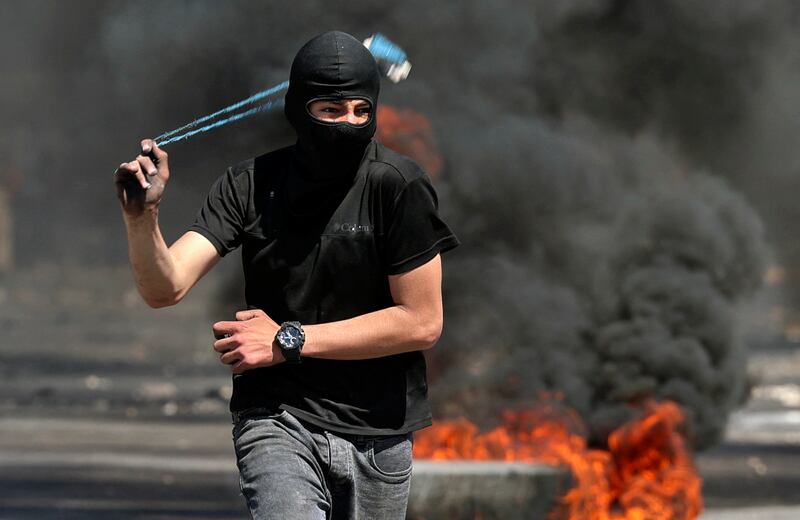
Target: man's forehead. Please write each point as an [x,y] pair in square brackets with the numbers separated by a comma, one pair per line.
[345,101]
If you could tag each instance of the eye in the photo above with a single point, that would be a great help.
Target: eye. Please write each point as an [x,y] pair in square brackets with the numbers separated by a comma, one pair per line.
[325,109]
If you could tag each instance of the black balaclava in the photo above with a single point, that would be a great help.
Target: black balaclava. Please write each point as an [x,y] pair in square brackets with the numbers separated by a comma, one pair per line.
[333,65]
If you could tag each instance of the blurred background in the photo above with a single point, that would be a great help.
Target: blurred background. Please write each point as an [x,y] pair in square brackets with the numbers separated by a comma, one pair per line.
[622,174]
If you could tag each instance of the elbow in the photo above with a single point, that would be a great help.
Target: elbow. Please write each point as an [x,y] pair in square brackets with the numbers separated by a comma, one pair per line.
[159,301]
[429,333]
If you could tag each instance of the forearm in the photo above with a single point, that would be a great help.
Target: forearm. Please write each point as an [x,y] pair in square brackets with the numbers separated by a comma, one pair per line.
[385,332]
[413,323]
[154,269]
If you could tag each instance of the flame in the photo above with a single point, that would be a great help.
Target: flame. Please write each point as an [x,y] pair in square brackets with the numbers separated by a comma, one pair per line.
[645,474]
[410,133]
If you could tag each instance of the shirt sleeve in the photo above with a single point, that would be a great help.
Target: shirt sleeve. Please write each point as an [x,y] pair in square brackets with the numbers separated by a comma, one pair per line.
[415,233]
[221,218]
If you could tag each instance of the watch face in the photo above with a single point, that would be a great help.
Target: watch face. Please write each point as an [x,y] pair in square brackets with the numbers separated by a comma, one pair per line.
[290,337]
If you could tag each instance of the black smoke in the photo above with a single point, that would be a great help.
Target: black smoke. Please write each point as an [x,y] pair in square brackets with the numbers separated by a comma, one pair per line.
[608,167]
[614,276]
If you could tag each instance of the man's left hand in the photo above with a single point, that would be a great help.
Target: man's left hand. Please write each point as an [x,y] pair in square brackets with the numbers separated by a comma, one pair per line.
[248,342]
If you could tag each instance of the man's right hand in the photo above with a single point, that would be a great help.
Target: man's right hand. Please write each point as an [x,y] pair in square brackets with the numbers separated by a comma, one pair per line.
[141,182]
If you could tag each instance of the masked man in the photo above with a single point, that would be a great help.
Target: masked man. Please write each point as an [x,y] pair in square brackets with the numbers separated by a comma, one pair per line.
[341,246]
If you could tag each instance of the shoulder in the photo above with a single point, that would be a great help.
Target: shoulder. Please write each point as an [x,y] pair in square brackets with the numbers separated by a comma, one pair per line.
[270,160]
[250,166]
[394,171]
[241,175]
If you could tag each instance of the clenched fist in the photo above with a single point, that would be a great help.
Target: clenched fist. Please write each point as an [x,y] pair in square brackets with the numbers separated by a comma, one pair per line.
[141,182]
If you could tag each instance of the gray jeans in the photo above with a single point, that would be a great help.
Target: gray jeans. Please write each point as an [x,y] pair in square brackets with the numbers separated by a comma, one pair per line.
[291,470]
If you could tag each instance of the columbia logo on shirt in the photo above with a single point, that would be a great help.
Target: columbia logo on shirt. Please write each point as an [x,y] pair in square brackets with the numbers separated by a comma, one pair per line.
[347,227]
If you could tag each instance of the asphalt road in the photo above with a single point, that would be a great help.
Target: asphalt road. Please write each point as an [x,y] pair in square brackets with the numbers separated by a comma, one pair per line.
[76,468]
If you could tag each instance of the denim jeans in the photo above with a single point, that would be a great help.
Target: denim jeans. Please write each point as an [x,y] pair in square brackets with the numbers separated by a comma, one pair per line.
[292,470]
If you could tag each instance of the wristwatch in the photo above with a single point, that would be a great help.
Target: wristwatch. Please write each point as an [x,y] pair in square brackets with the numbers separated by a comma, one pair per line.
[290,338]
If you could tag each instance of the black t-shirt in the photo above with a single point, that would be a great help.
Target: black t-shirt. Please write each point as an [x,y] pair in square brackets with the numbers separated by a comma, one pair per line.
[324,256]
